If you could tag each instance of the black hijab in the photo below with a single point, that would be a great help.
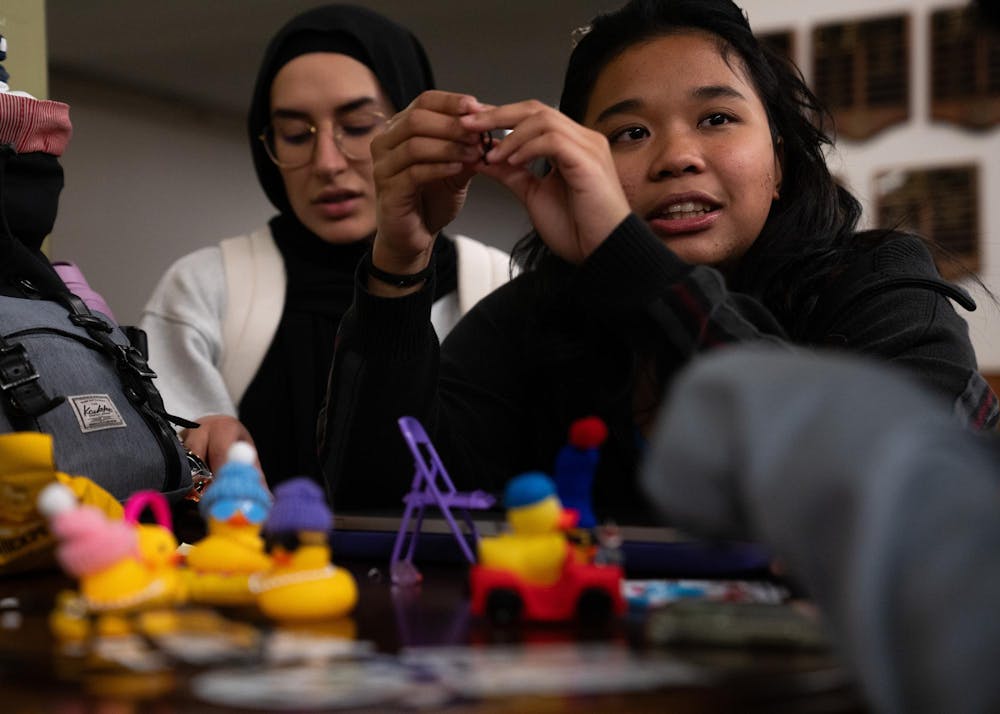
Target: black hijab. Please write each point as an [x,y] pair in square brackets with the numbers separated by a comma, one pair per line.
[391,52]
[282,402]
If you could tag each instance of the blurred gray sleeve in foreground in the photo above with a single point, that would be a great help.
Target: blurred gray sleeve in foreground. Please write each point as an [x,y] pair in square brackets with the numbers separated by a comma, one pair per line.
[878,501]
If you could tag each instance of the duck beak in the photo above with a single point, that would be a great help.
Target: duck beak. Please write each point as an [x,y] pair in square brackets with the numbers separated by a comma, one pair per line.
[568,519]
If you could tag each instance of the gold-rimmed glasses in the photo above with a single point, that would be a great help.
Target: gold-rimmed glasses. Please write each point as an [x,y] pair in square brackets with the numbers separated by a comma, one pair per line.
[290,142]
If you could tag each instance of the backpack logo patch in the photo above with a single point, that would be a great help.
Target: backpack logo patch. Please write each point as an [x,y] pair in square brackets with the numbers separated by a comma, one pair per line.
[95,412]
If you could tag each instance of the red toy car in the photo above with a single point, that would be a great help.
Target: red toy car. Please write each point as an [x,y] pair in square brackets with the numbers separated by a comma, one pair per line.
[592,593]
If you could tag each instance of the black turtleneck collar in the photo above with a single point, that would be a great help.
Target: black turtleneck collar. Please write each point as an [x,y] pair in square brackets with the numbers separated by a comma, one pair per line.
[320,273]
[298,243]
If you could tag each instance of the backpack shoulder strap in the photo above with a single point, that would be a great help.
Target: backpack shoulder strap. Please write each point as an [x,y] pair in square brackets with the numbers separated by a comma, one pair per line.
[255,298]
[481,269]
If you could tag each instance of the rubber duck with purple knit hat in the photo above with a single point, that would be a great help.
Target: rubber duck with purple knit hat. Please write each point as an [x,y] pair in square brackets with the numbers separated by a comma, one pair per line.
[302,583]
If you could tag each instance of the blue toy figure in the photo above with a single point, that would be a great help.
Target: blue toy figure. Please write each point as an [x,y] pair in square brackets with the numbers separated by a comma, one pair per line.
[576,465]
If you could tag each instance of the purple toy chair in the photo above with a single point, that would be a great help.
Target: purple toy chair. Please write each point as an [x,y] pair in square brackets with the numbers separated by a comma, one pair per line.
[431,487]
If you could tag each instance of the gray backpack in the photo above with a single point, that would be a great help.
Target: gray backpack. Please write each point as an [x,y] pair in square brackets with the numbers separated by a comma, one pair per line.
[76,375]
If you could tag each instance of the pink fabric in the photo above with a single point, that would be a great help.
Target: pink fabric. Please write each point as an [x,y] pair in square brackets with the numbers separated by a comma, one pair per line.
[73,278]
[34,124]
[89,542]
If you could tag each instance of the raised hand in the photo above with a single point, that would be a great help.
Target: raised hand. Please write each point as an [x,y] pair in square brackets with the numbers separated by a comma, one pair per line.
[423,164]
[580,201]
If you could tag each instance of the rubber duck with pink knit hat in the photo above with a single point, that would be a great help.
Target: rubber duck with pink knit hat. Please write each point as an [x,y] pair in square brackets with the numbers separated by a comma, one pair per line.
[123,567]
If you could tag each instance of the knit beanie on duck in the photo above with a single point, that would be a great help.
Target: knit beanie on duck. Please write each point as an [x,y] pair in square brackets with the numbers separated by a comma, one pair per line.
[299,505]
[237,486]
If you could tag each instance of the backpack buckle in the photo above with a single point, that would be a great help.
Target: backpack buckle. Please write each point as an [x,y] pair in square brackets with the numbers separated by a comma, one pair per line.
[135,362]
[19,382]
[90,322]
[16,369]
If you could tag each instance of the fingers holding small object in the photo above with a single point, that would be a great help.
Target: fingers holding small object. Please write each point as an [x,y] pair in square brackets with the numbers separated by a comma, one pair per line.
[486,144]
[511,127]
[422,150]
[434,114]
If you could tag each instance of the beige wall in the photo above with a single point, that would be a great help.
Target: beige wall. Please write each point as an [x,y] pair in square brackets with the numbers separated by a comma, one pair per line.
[22,22]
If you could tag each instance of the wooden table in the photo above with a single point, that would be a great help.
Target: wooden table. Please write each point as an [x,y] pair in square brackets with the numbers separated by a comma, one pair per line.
[34,677]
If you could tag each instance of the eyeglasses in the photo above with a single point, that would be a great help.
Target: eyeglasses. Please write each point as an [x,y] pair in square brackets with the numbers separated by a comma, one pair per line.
[291,142]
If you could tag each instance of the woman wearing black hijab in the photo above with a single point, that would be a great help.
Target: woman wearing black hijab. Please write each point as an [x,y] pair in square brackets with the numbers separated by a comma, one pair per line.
[247,328]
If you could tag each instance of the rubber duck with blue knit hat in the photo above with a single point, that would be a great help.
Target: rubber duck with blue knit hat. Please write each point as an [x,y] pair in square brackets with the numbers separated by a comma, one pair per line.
[235,507]
[535,548]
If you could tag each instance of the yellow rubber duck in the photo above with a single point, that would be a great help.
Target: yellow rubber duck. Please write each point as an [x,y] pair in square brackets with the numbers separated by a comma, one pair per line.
[234,507]
[27,465]
[302,583]
[536,547]
[122,567]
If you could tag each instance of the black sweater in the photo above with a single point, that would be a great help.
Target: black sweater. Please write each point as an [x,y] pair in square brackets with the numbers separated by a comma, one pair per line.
[559,342]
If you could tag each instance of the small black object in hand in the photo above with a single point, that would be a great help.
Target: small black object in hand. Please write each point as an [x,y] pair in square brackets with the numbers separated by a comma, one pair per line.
[486,143]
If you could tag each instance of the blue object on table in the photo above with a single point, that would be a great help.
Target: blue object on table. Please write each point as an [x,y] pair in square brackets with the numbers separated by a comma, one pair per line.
[576,464]
[574,477]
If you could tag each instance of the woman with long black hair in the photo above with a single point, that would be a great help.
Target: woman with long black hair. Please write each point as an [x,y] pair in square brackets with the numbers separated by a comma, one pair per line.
[687,206]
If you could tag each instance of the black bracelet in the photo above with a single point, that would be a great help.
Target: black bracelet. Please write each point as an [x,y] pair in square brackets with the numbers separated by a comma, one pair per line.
[395,279]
